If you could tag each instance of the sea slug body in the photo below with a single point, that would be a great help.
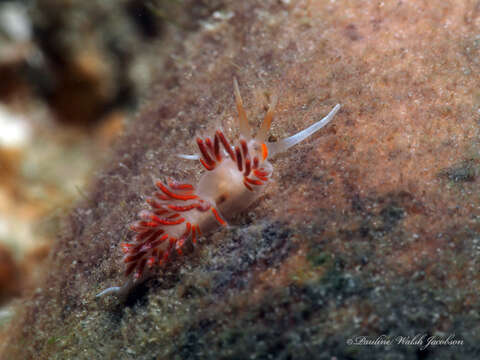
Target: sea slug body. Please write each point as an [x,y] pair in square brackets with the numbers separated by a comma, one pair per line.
[237,174]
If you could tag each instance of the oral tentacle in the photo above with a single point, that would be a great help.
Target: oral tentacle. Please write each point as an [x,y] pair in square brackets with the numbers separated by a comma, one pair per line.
[284,144]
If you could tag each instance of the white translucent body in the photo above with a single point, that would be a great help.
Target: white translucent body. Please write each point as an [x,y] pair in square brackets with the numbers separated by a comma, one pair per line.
[224,188]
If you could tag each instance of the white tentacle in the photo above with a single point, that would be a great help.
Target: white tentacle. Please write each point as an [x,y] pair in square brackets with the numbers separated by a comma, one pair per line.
[284,144]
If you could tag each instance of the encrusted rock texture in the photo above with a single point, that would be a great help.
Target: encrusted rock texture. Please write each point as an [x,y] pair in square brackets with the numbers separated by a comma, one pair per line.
[369,228]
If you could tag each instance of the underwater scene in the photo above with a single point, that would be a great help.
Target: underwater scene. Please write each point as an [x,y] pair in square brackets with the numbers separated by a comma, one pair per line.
[221,179]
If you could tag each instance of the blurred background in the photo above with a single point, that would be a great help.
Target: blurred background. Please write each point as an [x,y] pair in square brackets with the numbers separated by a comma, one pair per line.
[71,75]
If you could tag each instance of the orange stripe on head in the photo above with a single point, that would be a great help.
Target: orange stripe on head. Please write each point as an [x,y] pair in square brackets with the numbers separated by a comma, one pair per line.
[264,151]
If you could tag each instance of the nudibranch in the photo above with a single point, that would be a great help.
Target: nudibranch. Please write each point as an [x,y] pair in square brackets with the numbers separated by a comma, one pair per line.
[237,174]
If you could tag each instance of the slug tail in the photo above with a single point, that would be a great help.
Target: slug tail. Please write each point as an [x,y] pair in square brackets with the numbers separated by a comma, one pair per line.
[119,291]
[110,290]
